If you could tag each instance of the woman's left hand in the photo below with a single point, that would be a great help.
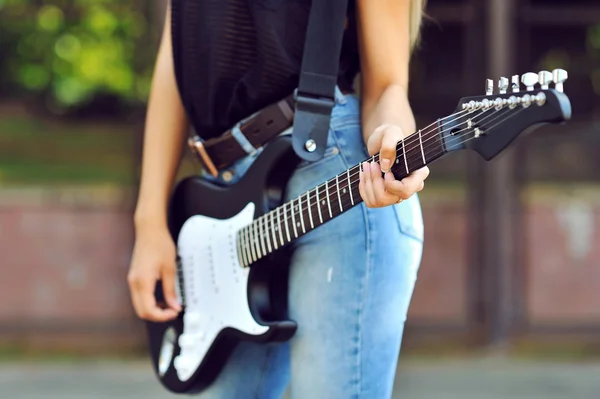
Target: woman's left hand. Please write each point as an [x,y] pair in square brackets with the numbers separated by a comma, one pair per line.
[378,191]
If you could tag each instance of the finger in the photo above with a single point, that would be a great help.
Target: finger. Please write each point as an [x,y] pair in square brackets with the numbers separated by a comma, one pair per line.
[387,155]
[409,185]
[134,285]
[405,187]
[361,185]
[168,286]
[382,197]
[423,173]
[419,175]
[369,198]
[401,188]
[374,142]
[149,309]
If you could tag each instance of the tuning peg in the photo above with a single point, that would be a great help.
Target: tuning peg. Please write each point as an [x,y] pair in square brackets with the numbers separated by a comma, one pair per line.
[559,76]
[502,85]
[515,83]
[529,80]
[545,79]
[489,87]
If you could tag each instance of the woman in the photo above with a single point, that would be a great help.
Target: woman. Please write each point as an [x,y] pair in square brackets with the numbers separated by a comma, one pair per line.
[349,296]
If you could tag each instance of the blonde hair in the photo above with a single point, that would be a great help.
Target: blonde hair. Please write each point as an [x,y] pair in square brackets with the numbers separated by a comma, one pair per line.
[416,19]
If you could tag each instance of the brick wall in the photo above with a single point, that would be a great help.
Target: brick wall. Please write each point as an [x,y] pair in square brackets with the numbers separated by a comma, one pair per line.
[65,254]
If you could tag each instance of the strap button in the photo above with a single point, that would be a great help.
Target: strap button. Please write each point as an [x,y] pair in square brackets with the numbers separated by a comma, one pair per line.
[227,175]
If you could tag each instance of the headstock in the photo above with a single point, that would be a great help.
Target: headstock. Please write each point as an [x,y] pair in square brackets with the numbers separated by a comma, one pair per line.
[488,124]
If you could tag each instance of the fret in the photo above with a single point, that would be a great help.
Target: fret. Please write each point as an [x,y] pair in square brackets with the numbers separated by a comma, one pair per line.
[257,241]
[250,240]
[262,237]
[246,248]
[273,229]
[413,152]
[240,246]
[279,226]
[293,219]
[422,151]
[328,203]
[312,226]
[265,223]
[337,185]
[266,229]
[435,144]
[285,219]
[247,244]
[405,160]
[301,216]
[350,186]
[318,204]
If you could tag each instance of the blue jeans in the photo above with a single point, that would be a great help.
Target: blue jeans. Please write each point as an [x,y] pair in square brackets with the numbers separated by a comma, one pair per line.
[351,281]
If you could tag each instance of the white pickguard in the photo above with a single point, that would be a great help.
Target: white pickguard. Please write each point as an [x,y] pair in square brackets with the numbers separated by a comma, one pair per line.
[215,286]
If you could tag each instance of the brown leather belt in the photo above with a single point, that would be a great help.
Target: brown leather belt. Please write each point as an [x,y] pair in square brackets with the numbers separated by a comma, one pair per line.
[253,132]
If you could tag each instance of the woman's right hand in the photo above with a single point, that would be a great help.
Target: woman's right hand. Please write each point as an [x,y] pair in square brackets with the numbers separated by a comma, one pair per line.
[153,259]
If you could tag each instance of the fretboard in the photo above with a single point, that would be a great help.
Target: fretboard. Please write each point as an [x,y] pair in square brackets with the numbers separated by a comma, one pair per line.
[312,209]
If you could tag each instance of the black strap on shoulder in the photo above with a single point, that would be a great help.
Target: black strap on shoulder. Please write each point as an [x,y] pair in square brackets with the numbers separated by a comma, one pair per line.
[315,96]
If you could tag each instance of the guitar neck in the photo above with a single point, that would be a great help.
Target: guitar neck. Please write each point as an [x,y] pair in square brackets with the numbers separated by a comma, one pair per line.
[323,203]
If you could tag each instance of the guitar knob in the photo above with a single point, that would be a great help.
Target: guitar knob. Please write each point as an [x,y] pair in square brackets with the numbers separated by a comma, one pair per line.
[192,320]
[503,85]
[515,83]
[545,79]
[489,87]
[529,80]
[559,76]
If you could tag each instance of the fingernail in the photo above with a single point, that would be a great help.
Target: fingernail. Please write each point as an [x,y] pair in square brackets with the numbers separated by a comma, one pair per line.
[385,164]
[366,167]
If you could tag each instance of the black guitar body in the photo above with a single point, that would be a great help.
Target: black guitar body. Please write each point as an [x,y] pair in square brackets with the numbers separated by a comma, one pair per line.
[264,185]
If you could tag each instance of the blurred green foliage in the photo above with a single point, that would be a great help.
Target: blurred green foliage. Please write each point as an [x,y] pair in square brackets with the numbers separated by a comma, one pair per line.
[71,51]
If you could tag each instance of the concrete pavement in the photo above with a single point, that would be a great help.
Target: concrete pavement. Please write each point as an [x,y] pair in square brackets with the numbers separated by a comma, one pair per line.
[417,379]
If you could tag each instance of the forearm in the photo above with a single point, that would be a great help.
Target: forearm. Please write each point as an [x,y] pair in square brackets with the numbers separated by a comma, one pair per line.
[392,108]
[165,132]
[385,49]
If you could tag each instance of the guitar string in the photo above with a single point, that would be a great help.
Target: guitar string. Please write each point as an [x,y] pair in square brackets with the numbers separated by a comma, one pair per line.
[374,158]
[414,140]
[411,157]
[295,210]
[347,203]
[405,142]
[462,142]
[264,232]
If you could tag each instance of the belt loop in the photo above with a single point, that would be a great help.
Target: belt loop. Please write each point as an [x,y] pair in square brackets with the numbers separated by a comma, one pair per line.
[237,134]
[340,98]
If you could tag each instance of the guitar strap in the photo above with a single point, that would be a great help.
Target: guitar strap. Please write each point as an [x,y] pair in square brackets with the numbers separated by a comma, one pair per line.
[315,95]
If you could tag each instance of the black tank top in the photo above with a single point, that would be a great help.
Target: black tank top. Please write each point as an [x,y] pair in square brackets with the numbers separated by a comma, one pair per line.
[234,57]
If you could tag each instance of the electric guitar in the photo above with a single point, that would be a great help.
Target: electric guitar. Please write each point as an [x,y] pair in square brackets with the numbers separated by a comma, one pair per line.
[231,272]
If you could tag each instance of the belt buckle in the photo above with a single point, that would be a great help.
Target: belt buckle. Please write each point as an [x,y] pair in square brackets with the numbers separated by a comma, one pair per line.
[198,148]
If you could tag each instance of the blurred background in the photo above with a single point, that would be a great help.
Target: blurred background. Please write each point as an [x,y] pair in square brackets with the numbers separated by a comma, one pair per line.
[507,302]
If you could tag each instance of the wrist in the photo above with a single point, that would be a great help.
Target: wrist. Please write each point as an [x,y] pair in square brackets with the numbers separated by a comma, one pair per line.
[149,221]
[392,109]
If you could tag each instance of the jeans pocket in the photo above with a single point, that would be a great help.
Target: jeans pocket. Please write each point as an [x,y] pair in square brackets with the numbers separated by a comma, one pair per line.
[410,218]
